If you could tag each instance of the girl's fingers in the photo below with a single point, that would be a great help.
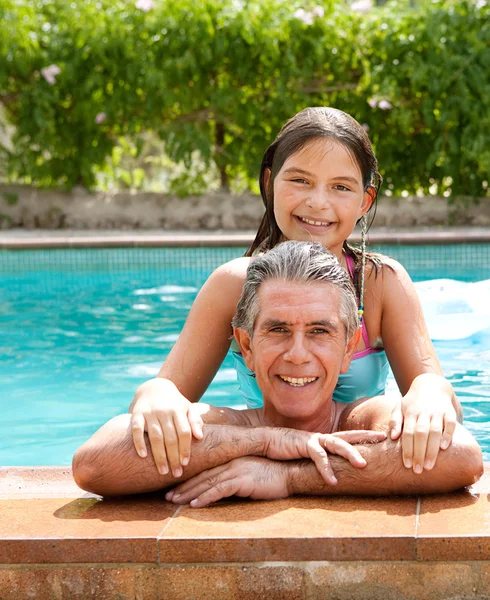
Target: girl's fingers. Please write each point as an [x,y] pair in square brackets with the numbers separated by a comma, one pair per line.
[172,446]
[396,422]
[420,439]
[184,435]
[450,421]
[196,422]
[434,442]
[407,441]
[155,435]
[138,432]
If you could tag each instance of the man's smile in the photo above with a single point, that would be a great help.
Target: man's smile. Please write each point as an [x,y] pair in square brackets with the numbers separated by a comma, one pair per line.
[298,381]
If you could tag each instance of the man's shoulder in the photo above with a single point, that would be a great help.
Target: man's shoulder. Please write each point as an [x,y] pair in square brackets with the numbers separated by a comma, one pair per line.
[368,413]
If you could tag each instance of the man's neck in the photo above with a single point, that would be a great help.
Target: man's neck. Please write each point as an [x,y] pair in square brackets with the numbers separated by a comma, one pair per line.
[326,422]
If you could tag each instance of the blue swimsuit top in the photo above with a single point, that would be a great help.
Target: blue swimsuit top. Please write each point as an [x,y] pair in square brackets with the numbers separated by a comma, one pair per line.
[365,378]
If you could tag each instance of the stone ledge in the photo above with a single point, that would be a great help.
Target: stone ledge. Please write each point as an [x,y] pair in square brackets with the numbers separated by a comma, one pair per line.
[59,543]
[46,519]
[39,239]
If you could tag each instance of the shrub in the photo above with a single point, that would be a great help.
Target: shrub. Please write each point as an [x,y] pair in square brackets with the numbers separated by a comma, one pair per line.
[219,77]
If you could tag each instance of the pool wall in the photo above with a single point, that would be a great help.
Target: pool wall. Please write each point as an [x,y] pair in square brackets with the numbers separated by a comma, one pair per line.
[57,542]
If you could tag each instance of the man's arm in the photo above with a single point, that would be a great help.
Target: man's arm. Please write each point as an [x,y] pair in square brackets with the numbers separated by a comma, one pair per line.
[384,474]
[108,463]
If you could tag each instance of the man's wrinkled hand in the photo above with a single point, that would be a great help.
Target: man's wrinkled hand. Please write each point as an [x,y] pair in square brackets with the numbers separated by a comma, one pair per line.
[247,477]
[292,445]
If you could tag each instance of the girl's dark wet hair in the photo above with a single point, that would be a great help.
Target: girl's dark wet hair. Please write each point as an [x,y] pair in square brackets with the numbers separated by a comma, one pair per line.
[309,125]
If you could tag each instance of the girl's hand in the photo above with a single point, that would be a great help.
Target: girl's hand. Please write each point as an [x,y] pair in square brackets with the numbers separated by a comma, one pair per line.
[426,419]
[170,421]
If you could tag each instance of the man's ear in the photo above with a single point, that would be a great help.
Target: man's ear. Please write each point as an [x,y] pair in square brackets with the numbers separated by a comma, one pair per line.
[349,350]
[244,341]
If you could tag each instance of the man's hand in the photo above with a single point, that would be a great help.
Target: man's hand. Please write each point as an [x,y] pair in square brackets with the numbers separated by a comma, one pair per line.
[248,477]
[290,444]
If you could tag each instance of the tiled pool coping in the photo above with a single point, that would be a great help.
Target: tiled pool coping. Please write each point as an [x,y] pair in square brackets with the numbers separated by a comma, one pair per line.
[43,239]
[57,538]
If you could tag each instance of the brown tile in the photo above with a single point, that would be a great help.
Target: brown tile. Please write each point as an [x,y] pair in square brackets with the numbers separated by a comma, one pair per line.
[231,583]
[38,482]
[70,583]
[57,530]
[454,527]
[391,581]
[295,529]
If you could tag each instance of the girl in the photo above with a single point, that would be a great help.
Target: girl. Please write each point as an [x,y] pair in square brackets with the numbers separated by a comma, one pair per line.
[317,180]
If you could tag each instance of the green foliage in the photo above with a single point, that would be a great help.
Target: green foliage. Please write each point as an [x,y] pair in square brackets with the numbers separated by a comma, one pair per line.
[214,80]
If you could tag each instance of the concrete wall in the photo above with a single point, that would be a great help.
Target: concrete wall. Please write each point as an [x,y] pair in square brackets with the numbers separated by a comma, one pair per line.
[22,206]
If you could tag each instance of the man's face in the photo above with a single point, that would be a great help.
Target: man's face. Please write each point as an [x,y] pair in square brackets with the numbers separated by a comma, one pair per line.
[298,348]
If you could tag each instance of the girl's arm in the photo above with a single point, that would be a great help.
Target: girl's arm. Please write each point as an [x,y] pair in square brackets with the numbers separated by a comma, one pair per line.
[429,408]
[163,406]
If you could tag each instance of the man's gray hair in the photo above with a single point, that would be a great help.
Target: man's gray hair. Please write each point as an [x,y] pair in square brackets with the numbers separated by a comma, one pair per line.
[298,262]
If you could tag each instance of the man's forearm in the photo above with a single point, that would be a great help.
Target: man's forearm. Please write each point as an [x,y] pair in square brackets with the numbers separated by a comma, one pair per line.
[108,463]
[384,474]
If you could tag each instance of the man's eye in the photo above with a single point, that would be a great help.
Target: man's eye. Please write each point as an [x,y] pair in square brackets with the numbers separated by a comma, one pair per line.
[277,330]
[342,188]
[319,331]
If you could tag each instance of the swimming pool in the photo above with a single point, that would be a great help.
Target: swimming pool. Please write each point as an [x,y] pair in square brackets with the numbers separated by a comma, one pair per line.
[80,330]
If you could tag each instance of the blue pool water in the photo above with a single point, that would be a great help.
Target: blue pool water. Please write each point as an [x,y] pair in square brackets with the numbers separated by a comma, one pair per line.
[80,330]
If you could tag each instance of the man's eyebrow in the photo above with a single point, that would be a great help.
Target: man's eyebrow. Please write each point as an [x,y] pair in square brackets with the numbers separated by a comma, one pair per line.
[327,323]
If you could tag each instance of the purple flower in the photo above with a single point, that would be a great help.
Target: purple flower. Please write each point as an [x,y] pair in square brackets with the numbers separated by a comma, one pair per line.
[385,105]
[100,118]
[145,5]
[362,6]
[373,103]
[304,16]
[50,73]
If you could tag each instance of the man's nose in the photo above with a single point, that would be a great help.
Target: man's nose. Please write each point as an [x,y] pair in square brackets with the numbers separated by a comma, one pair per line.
[297,351]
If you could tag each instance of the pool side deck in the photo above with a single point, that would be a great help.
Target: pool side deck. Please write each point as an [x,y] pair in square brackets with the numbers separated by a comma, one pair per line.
[22,239]
[58,542]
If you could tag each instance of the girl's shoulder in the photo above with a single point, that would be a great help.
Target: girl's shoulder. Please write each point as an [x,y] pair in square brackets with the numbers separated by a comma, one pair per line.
[389,268]
[230,276]
[235,269]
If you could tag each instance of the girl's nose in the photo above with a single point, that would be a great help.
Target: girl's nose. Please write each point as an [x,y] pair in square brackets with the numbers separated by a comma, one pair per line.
[318,199]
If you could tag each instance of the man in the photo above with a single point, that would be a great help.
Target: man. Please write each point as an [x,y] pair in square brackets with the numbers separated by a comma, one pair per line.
[296,324]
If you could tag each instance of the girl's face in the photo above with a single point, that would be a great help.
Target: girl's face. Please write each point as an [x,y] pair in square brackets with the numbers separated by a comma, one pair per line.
[319,195]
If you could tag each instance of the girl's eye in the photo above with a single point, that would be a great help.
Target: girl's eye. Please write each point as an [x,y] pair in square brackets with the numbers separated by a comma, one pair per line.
[342,188]
[299,180]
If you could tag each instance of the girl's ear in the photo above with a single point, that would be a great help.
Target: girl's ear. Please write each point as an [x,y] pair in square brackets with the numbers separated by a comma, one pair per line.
[367,200]
[244,341]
